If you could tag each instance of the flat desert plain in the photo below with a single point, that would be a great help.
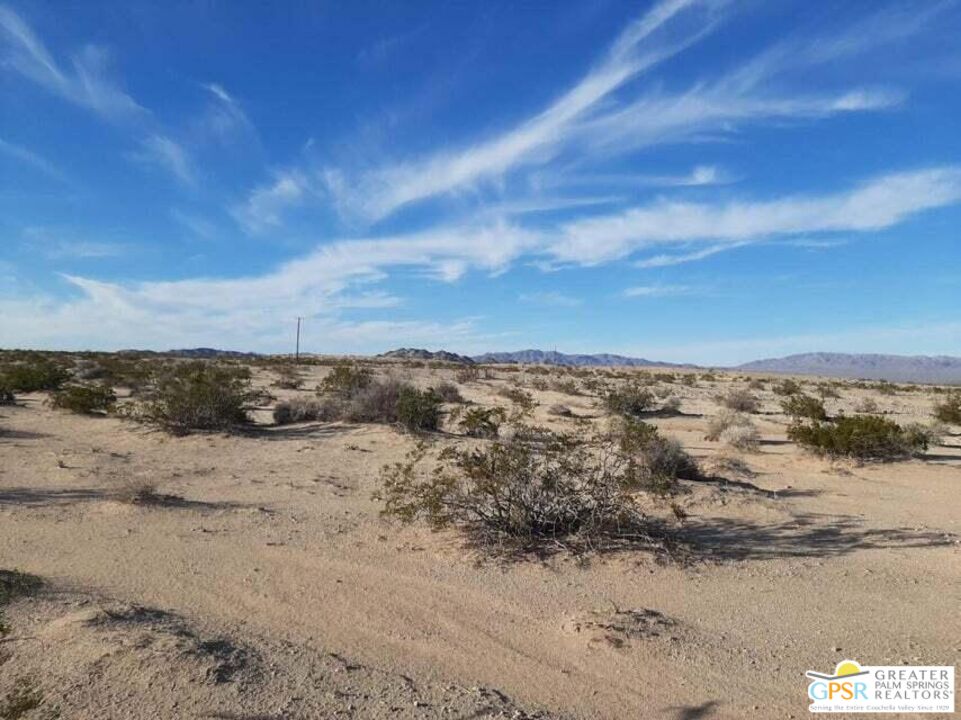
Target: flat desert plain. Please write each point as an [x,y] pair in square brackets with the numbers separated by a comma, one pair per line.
[264,582]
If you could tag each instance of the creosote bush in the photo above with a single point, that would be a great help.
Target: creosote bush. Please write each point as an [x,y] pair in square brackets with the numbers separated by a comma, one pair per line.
[482,422]
[656,462]
[197,396]
[448,392]
[418,409]
[800,406]
[33,376]
[949,411]
[346,380]
[520,495]
[864,437]
[629,400]
[741,400]
[85,399]
[786,387]
[288,377]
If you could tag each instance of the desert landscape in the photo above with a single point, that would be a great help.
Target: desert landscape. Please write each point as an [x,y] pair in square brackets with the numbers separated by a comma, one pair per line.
[163,556]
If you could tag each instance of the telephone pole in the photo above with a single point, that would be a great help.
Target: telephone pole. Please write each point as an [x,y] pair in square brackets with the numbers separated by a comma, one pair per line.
[297,351]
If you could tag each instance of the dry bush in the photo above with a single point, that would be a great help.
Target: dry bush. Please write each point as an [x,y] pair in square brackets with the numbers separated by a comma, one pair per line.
[864,437]
[515,495]
[567,387]
[756,384]
[307,410]
[6,396]
[540,384]
[671,405]
[288,377]
[741,437]
[867,406]
[949,411]
[740,400]
[801,406]
[14,584]
[448,392]
[724,420]
[140,492]
[469,373]
[85,399]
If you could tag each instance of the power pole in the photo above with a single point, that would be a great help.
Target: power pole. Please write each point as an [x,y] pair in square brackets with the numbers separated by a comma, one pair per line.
[297,351]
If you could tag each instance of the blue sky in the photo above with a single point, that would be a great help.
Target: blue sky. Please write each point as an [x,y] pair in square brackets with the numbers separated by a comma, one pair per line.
[706,181]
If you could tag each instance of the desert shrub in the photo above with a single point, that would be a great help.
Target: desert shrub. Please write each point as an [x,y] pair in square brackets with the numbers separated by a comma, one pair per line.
[418,410]
[85,399]
[755,384]
[671,405]
[629,400]
[567,387]
[288,377]
[865,437]
[33,376]
[346,380]
[448,392]
[886,388]
[708,377]
[786,387]
[14,584]
[739,399]
[656,463]
[374,402]
[516,495]
[306,410]
[801,406]
[523,399]
[482,422]
[735,430]
[197,396]
[6,395]
[827,390]
[867,406]
[741,437]
[949,411]
[540,383]
[689,379]
[665,377]
[469,373]
[559,410]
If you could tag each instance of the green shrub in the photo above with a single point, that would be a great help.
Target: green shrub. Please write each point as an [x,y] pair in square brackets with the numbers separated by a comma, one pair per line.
[949,411]
[801,406]
[786,387]
[655,462]
[85,399]
[418,410]
[629,400]
[482,422]
[33,376]
[865,437]
[346,380]
[524,400]
[6,395]
[198,396]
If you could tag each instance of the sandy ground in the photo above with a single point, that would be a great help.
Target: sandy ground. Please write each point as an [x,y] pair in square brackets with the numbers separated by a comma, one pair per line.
[274,589]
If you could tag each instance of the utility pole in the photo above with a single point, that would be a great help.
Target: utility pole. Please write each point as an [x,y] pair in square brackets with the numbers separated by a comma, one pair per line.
[297,351]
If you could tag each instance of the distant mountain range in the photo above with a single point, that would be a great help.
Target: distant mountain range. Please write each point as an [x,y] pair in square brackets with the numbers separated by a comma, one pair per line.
[904,368]
[897,368]
[552,357]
